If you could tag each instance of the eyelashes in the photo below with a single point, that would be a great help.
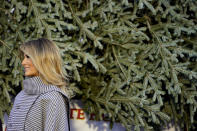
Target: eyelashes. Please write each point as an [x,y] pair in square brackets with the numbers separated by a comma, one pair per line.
[27,56]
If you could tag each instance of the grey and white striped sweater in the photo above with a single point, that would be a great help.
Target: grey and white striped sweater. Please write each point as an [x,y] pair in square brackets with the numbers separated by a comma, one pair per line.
[39,107]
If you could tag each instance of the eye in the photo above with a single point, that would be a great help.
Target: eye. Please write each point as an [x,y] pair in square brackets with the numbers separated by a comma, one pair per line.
[27,56]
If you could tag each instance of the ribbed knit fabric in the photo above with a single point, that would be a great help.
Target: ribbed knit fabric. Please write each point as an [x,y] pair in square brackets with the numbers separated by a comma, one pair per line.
[39,107]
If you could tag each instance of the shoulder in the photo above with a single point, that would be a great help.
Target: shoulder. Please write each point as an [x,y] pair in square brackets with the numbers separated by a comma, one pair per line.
[52,97]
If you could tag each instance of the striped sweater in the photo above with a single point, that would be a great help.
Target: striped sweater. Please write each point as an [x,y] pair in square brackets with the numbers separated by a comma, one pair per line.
[39,107]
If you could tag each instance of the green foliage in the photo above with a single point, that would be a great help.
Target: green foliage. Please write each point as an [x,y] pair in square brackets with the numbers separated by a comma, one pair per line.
[135,61]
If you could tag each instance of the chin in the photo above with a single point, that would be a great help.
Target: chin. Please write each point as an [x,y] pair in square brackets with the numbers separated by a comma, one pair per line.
[29,75]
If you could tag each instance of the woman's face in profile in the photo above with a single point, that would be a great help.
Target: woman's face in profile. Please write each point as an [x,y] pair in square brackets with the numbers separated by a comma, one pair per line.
[30,69]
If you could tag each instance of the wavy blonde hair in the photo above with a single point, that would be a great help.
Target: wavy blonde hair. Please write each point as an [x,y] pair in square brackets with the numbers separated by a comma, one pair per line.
[46,58]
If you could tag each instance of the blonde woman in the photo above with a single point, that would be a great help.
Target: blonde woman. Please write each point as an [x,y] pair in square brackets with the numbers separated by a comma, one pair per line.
[43,103]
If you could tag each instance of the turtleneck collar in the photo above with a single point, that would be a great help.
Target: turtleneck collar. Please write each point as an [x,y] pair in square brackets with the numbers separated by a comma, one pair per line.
[35,85]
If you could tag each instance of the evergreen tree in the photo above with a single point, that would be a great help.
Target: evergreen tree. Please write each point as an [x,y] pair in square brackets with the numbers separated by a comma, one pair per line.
[132,60]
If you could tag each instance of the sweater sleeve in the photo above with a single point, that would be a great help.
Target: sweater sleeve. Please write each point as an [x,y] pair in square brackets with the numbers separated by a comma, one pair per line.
[54,110]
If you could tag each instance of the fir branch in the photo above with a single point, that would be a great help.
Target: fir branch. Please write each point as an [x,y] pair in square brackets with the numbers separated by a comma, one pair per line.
[8,47]
[149,6]
[114,52]
[91,35]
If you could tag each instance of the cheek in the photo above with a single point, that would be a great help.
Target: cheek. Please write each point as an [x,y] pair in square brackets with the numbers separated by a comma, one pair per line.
[33,68]
[32,65]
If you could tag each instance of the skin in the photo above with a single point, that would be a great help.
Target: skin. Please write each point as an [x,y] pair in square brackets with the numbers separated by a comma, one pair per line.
[30,69]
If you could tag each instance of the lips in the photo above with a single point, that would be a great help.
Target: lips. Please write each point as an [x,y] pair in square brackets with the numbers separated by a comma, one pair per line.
[26,68]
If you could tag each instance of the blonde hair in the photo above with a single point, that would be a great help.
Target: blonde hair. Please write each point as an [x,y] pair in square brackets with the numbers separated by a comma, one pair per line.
[46,58]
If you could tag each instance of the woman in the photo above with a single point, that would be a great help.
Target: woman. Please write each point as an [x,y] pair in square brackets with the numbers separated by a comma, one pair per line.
[43,103]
